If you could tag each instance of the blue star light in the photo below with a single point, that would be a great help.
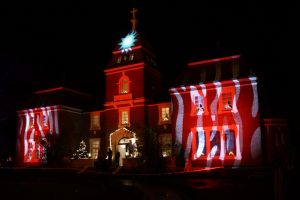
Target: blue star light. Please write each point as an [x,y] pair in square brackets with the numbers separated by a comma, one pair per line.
[128,42]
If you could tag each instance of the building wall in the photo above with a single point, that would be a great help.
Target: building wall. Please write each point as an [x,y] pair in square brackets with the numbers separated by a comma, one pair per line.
[68,141]
[36,126]
[48,132]
[194,130]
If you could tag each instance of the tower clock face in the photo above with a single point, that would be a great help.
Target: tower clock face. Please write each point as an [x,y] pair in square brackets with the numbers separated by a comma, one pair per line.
[128,42]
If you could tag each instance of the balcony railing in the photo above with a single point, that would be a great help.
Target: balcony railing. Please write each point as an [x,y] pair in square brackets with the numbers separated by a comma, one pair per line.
[121,97]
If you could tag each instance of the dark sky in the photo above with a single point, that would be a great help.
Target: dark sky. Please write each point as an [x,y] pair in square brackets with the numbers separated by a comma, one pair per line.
[48,43]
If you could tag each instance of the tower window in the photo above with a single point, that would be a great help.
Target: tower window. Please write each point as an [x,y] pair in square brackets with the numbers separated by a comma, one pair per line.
[124,85]
[125,117]
[131,57]
[119,59]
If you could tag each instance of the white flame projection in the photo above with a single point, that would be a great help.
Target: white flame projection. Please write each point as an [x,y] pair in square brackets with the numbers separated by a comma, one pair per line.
[241,121]
[34,126]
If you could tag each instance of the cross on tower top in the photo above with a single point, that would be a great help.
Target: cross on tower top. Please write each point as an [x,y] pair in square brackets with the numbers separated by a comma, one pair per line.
[133,20]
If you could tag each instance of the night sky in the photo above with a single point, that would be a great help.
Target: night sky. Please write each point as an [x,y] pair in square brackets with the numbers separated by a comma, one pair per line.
[48,44]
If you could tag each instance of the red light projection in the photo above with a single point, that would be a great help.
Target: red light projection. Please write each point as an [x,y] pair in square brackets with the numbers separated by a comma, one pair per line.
[218,123]
[35,125]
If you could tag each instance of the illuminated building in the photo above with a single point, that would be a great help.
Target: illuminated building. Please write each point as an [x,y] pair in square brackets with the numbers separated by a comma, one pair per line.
[212,118]
[217,120]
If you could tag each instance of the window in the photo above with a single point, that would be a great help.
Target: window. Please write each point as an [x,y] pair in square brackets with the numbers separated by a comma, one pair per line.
[226,101]
[124,117]
[119,59]
[95,121]
[94,147]
[131,57]
[201,141]
[215,143]
[218,71]
[229,142]
[165,143]
[124,85]
[165,114]
[31,121]
[235,68]
[45,120]
[198,104]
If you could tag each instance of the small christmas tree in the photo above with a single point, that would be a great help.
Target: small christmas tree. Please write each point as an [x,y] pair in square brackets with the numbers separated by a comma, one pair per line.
[81,152]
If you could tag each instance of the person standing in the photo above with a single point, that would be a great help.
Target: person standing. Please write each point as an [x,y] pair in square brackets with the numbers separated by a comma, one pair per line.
[117,158]
[109,157]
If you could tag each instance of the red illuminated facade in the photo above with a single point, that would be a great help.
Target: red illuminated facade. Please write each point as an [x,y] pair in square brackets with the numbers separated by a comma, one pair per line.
[216,121]
[211,119]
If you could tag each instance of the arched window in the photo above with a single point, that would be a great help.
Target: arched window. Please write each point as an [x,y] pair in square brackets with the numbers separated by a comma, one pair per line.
[229,142]
[124,85]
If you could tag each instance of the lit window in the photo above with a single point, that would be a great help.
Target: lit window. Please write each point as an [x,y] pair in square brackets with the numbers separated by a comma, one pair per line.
[124,85]
[124,117]
[227,101]
[215,143]
[94,147]
[95,121]
[201,141]
[165,113]
[165,143]
[119,59]
[31,122]
[229,142]
[131,57]
[198,104]
[45,121]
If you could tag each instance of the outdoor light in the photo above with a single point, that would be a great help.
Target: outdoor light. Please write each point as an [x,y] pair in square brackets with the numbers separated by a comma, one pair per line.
[128,42]
[133,140]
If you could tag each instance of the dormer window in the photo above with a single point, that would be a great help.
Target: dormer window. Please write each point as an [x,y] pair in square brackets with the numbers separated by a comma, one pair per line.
[124,85]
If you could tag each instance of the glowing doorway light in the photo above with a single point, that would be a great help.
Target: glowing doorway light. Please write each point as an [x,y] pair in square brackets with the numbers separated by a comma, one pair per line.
[128,42]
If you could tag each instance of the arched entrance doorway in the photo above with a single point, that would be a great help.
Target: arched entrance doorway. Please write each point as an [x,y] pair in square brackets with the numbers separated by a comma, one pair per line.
[124,142]
[123,149]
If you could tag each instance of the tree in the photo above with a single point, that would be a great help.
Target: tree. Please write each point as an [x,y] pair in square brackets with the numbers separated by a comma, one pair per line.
[81,151]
